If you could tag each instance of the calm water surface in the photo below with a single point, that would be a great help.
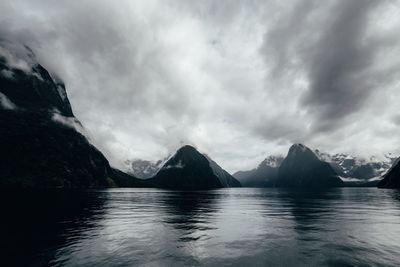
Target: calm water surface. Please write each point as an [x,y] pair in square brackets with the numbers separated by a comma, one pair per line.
[229,227]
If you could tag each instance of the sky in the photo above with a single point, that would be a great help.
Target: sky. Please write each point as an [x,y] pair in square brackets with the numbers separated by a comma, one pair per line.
[240,80]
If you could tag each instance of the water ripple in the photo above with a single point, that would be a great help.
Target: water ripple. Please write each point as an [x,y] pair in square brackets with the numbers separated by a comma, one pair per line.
[229,227]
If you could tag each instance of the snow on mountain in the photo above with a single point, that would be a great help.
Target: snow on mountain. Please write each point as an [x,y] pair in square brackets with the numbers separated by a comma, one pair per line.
[179,165]
[144,168]
[271,161]
[349,166]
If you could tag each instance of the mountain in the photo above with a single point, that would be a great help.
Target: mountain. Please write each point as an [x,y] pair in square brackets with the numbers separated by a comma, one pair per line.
[225,178]
[262,176]
[348,166]
[143,169]
[302,168]
[188,169]
[122,179]
[354,171]
[392,178]
[41,141]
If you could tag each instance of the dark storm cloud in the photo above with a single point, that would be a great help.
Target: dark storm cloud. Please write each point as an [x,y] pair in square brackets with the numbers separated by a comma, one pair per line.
[339,70]
[330,44]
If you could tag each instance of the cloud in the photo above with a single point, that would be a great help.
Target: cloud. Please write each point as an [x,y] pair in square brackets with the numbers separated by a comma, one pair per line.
[342,69]
[16,56]
[6,103]
[239,80]
[69,122]
[331,46]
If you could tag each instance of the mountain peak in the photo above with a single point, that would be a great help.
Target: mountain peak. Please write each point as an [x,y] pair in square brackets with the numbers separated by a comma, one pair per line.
[27,84]
[189,169]
[302,168]
[187,148]
[39,148]
[300,150]
[185,155]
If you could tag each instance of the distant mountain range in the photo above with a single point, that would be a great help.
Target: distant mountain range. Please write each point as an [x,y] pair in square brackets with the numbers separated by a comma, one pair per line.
[352,170]
[144,169]
[347,170]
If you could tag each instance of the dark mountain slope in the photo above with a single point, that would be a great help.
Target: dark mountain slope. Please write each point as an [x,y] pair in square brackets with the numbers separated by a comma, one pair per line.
[392,178]
[263,176]
[302,168]
[40,144]
[188,169]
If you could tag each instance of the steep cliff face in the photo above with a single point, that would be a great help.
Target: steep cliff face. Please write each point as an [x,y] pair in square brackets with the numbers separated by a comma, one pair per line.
[302,168]
[188,169]
[29,86]
[38,152]
[392,178]
[225,178]
[41,145]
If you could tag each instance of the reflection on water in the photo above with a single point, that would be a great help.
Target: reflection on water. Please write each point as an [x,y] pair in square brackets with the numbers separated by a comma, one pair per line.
[239,227]
[35,225]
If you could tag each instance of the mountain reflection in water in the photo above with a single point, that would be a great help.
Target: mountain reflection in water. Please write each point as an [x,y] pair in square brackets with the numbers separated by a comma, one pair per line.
[239,227]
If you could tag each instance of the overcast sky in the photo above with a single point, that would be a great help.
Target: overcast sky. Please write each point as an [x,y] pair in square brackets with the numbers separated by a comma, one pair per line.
[240,80]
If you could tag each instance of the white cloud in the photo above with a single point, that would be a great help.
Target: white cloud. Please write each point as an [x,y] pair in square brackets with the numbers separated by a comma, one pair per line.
[6,103]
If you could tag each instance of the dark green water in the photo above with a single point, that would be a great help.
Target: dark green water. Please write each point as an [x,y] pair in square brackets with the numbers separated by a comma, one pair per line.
[229,227]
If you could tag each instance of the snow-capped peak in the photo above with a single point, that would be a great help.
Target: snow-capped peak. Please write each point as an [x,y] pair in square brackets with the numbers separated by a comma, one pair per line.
[144,168]
[272,161]
[357,167]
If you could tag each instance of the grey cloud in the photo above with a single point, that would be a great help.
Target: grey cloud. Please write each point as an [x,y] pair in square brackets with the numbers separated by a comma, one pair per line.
[396,119]
[282,130]
[328,43]
[6,103]
[340,80]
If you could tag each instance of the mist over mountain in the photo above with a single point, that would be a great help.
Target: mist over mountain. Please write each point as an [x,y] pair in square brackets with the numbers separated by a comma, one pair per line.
[352,170]
[42,143]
